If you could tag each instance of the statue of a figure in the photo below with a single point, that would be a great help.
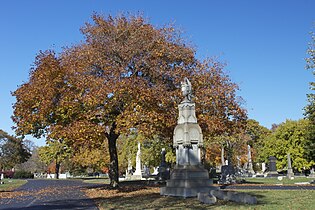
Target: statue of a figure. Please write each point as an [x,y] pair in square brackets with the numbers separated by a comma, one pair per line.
[187,90]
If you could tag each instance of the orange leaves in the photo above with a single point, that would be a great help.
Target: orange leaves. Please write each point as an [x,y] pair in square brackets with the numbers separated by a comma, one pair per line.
[217,104]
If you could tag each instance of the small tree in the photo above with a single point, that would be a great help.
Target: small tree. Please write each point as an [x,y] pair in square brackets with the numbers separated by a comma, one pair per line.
[56,152]
[12,151]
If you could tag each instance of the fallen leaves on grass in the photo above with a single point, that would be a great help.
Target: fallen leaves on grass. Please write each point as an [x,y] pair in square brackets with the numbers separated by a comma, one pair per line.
[138,197]
[123,191]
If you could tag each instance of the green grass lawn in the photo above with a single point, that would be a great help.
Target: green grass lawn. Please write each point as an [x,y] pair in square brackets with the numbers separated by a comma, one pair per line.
[97,180]
[11,184]
[275,180]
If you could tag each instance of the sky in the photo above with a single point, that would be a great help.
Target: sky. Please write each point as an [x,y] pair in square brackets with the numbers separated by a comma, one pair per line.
[263,44]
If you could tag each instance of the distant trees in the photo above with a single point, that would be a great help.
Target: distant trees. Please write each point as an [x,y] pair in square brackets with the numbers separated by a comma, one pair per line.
[33,164]
[256,135]
[55,152]
[289,137]
[124,77]
[12,151]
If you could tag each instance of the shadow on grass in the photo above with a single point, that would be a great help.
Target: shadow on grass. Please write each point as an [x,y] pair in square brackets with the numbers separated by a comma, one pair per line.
[156,201]
[149,201]
[127,186]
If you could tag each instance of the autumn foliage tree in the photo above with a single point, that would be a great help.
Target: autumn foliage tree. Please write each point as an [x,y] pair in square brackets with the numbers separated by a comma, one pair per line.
[124,77]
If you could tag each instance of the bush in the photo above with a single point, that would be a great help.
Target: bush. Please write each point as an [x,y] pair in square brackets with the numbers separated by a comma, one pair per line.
[23,175]
[8,174]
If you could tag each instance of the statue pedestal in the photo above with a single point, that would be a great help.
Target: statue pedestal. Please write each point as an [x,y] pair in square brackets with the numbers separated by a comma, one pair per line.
[188,181]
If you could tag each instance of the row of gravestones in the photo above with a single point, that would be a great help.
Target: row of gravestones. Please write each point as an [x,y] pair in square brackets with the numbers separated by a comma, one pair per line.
[229,173]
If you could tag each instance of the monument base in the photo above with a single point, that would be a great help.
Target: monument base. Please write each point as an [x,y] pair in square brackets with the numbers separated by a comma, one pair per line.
[188,181]
[133,177]
[290,173]
[272,174]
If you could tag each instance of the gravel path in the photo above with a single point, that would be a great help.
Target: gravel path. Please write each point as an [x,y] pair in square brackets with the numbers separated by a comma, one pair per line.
[48,194]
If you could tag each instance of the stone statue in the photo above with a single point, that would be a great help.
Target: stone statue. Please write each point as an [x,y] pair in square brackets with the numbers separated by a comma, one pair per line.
[187,90]
[138,161]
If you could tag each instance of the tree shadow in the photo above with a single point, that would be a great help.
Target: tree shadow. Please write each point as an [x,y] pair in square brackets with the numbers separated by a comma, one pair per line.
[126,186]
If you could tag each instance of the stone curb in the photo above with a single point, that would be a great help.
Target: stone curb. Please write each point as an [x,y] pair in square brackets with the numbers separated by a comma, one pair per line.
[237,197]
[206,198]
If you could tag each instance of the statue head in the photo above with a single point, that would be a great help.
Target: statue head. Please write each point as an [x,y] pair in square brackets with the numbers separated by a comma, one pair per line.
[186,89]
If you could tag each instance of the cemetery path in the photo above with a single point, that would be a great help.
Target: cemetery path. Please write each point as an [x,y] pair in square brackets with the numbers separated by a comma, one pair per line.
[48,194]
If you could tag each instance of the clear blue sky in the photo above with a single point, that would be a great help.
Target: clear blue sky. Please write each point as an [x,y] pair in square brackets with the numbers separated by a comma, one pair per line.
[263,43]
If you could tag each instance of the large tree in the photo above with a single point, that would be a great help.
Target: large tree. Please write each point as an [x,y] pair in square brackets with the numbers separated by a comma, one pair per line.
[124,77]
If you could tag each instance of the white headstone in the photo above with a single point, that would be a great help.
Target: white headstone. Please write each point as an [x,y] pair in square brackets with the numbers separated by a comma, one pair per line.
[62,176]
[249,157]
[156,170]
[290,173]
[263,167]
[138,161]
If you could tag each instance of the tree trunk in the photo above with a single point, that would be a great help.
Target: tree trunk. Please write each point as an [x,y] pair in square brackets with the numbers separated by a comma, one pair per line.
[57,168]
[229,153]
[112,137]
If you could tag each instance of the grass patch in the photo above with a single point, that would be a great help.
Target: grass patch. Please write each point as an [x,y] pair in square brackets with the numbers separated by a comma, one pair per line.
[11,184]
[96,180]
[274,180]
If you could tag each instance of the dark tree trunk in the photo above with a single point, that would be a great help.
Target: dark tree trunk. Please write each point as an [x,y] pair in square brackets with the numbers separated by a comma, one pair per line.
[112,137]
[57,168]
